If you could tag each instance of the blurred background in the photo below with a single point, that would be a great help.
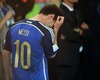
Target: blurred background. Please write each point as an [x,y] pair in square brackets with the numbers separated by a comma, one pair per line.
[26,8]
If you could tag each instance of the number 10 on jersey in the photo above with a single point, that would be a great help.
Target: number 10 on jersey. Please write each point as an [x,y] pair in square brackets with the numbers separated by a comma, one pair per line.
[20,52]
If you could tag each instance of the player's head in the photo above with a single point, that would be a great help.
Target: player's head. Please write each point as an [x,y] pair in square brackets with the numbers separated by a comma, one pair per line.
[52,12]
[51,9]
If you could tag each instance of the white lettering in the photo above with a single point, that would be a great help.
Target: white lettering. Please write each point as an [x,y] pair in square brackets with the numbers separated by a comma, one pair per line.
[23,32]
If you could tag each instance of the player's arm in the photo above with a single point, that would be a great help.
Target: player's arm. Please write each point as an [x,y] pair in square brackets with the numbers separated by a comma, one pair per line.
[6,57]
[6,63]
[57,25]
[50,47]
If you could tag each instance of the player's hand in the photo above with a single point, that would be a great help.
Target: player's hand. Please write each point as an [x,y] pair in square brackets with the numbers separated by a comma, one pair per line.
[58,23]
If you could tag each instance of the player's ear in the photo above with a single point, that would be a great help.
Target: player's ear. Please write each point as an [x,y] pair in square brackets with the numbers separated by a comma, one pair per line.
[50,16]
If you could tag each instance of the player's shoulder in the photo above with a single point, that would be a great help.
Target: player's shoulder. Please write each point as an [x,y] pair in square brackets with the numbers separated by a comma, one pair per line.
[21,22]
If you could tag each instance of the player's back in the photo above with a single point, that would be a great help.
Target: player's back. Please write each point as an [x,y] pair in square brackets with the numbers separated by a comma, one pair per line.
[28,58]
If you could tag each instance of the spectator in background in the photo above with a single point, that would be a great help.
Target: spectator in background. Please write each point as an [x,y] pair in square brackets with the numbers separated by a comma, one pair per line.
[6,19]
[69,41]
[90,10]
[21,7]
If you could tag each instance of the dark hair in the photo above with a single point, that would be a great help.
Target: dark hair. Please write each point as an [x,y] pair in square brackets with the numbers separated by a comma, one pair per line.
[51,9]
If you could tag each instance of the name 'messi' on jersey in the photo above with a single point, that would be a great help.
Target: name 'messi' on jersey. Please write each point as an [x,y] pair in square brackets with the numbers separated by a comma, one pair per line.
[23,32]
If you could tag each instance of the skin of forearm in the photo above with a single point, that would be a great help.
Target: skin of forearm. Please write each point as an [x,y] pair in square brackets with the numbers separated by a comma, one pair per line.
[55,39]
[6,64]
[2,22]
[57,25]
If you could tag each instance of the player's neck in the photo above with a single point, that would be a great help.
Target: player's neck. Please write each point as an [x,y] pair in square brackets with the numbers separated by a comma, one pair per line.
[40,18]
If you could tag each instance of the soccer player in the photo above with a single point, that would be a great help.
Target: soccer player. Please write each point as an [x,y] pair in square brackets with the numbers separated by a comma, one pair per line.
[31,42]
